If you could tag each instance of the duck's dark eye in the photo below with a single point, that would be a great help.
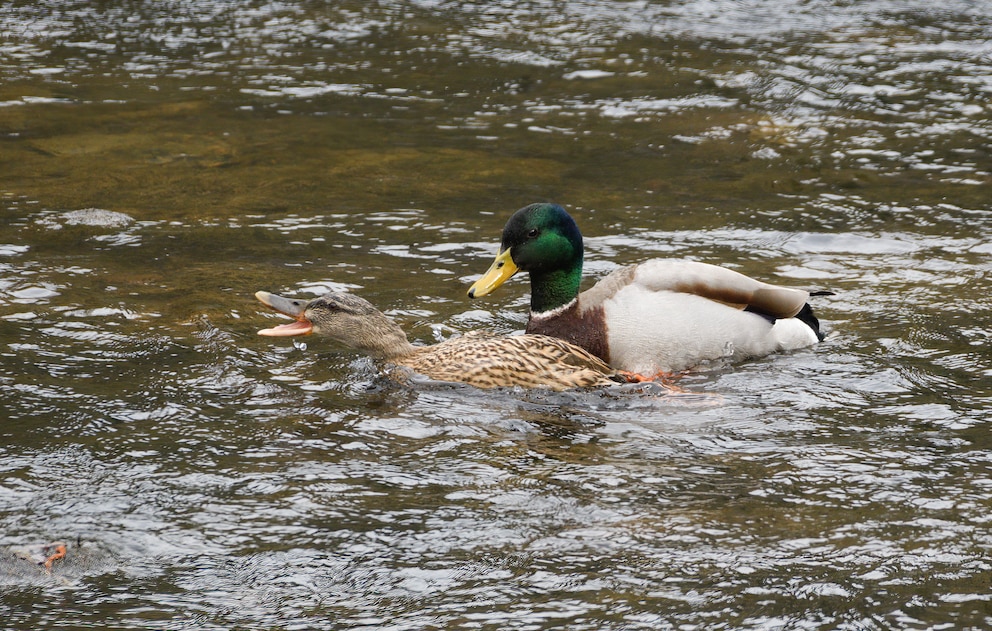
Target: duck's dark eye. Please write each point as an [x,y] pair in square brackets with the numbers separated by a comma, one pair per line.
[533,233]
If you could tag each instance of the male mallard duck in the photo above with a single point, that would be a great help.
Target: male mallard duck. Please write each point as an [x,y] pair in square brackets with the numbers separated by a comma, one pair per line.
[656,317]
[481,359]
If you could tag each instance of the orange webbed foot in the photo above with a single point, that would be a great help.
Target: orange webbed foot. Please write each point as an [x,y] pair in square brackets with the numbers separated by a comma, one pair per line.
[662,378]
[59,553]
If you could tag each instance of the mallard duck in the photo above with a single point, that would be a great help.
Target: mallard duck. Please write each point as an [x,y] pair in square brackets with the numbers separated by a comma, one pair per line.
[657,317]
[481,359]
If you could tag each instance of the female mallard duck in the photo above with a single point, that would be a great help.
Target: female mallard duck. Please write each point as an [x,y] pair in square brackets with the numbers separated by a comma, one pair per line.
[656,317]
[480,359]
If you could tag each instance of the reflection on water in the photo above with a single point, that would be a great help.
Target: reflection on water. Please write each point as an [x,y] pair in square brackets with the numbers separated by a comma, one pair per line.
[163,161]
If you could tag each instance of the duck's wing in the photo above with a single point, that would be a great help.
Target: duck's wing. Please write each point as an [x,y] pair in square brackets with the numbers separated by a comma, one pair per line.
[530,361]
[700,279]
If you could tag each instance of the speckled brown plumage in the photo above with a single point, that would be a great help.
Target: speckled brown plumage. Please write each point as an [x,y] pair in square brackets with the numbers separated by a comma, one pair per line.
[486,360]
[481,359]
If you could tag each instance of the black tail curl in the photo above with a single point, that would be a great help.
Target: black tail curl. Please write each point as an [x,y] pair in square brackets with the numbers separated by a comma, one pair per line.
[806,316]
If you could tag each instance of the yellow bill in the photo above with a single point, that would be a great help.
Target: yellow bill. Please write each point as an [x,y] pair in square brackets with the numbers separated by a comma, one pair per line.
[501,270]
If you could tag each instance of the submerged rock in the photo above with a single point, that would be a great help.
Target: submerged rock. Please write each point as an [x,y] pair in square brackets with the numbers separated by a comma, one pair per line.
[92,217]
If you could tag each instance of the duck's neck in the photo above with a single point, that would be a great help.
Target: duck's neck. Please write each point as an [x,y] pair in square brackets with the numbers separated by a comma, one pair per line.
[394,347]
[387,342]
[551,291]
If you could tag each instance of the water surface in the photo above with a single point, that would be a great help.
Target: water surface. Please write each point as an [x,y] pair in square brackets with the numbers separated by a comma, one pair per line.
[163,161]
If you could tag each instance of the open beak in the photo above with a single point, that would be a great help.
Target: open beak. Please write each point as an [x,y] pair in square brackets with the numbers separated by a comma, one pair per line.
[501,270]
[286,306]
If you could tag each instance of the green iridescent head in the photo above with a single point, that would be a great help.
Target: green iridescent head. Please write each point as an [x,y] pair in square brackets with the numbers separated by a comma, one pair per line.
[543,240]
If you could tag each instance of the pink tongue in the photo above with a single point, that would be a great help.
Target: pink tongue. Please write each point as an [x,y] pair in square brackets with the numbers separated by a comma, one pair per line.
[300,327]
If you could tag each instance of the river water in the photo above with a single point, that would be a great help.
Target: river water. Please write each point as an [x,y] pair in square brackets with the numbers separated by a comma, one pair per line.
[162,161]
